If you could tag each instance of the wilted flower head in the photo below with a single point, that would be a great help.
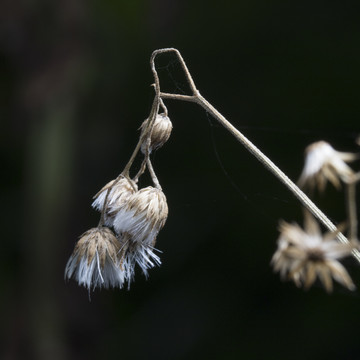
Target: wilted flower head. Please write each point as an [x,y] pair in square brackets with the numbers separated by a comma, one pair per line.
[121,190]
[143,215]
[304,255]
[160,132]
[137,223]
[95,260]
[323,163]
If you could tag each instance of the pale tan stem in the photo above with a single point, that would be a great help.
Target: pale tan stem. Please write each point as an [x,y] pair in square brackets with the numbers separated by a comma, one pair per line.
[183,65]
[163,106]
[141,171]
[197,98]
[351,209]
[178,97]
[302,197]
[145,134]
[152,174]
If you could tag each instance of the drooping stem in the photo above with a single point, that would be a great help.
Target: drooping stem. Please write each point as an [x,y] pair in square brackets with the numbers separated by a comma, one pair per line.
[152,173]
[163,106]
[145,133]
[197,98]
[183,65]
[141,171]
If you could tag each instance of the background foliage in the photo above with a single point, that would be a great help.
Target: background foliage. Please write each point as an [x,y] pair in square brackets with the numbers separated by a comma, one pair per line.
[75,87]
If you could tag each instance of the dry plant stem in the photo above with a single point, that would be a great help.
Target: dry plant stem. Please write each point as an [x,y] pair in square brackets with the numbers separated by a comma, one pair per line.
[197,98]
[141,171]
[152,117]
[351,209]
[152,173]
[183,65]
[147,141]
[163,106]
[145,136]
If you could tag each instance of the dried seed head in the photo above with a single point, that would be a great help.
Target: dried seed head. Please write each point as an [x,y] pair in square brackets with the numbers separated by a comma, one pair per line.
[120,192]
[95,260]
[160,132]
[143,215]
[323,163]
[304,255]
[137,253]
[137,224]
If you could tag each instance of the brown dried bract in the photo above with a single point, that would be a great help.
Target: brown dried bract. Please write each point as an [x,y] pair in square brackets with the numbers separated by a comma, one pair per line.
[101,241]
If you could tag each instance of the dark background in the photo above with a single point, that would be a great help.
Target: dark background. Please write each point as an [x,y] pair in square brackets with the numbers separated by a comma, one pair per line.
[75,87]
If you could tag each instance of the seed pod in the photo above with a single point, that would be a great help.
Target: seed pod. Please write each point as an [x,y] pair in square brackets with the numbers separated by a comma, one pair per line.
[160,132]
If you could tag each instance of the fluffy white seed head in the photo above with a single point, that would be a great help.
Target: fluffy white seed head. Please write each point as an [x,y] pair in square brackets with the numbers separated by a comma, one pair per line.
[143,215]
[95,260]
[160,132]
[137,253]
[137,224]
[119,194]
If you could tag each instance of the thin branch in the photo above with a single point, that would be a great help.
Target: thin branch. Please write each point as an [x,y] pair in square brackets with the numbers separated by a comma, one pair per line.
[183,65]
[154,111]
[141,171]
[351,209]
[163,106]
[178,97]
[152,173]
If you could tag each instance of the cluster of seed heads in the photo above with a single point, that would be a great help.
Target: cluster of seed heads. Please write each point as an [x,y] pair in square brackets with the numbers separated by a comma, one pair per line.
[306,254]
[131,219]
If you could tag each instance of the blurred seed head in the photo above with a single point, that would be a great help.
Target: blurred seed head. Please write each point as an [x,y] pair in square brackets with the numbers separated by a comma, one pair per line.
[305,255]
[323,163]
